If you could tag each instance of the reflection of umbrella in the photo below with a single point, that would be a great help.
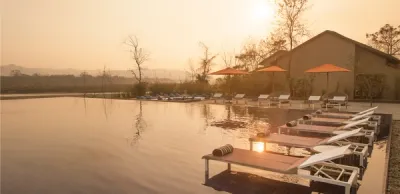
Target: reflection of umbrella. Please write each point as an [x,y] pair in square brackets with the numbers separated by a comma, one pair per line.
[272,69]
[327,68]
[229,71]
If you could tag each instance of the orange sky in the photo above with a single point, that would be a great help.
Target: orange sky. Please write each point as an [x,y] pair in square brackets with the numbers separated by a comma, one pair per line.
[87,34]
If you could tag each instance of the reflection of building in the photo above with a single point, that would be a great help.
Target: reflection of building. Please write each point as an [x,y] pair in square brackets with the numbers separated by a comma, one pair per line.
[334,48]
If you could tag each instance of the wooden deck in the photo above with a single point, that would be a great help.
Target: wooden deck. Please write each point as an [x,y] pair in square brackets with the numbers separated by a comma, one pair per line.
[290,140]
[265,161]
[311,128]
[328,120]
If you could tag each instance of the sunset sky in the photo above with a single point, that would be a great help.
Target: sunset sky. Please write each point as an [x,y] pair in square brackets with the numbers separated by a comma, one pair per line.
[87,34]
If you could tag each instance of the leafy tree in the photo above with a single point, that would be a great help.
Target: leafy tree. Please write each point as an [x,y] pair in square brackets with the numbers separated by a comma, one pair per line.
[387,39]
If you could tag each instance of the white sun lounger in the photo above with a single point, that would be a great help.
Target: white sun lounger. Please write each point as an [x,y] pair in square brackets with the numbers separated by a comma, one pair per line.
[332,130]
[359,149]
[316,167]
[280,100]
[344,115]
[263,97]
[312,100]
[216,96]
[366,118]
[336,101]
[238,97]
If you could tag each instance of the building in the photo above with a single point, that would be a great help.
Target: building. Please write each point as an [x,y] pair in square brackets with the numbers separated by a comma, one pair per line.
[334,48]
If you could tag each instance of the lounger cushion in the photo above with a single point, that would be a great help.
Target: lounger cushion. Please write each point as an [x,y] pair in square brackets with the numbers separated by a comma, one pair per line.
[224,150]
[307,117]
[291,123]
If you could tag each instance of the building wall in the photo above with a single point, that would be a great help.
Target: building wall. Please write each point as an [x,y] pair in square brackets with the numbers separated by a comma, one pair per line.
[327,48]
[370,63]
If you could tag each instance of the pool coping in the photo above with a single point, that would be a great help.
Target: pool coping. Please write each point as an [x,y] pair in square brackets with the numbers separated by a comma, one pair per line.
[387,159]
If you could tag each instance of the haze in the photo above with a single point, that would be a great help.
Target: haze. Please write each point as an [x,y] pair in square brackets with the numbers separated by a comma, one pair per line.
[87,34]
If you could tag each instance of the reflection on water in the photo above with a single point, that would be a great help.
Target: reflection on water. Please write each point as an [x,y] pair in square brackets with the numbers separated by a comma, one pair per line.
[75,145]
[139,126]
[258,146]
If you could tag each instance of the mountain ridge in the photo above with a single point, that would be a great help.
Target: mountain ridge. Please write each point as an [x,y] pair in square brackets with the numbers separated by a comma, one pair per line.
[173,74]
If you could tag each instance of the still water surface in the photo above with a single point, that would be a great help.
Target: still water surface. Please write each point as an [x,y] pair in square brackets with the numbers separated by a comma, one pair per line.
[73,145]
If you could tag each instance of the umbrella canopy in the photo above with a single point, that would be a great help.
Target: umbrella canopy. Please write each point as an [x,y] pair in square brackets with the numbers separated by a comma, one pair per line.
[229,71]
[272,69]
[327,68]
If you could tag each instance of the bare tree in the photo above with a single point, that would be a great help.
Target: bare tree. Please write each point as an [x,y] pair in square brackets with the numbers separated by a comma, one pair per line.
[229,59]
[191,72]
[291,27]
[139,55]
[291,24]
[252,54]
[387,39]
[273,43]
[84,75]
[205,64]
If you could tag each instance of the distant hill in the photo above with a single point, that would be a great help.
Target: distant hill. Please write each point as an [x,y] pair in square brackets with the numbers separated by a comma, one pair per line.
[174,75]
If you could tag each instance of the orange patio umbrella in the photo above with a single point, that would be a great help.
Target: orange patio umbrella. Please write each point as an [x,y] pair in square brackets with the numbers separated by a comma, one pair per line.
[229,71]
[272,69]
[327,68]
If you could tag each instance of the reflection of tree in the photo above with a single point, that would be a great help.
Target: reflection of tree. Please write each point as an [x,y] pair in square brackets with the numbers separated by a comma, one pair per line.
[228,109]
[239,110]
[106,110]
[206,112]
[139,126]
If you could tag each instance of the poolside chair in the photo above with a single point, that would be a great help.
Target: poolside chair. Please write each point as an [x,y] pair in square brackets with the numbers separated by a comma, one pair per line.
[315,168]
[364,136]
[263,97]
[284,99]
[238,97]
[345,115]
[336,101]
[216,96]
[366,117]
[313,143]
[312,100]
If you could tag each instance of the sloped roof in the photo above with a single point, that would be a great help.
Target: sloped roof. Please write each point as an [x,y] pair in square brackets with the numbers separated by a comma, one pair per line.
[388,57]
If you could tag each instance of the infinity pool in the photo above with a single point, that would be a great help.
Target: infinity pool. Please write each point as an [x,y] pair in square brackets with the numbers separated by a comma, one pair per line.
[76,145]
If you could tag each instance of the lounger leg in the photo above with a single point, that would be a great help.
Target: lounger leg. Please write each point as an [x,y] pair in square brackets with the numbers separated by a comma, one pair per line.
[251,145]
[265,146]
[347,189]
[206,171]
[229,167]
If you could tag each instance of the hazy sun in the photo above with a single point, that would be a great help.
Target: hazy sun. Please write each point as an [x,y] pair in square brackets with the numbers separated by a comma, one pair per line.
[263,10]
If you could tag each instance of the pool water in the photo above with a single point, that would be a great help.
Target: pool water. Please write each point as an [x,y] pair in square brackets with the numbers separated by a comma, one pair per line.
[77,145]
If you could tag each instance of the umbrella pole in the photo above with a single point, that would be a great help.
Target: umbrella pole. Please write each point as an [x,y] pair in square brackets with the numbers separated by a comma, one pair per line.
[273,82]
[327,82]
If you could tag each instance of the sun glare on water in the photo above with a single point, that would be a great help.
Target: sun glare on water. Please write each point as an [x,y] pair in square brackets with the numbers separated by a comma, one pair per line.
[258,146]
